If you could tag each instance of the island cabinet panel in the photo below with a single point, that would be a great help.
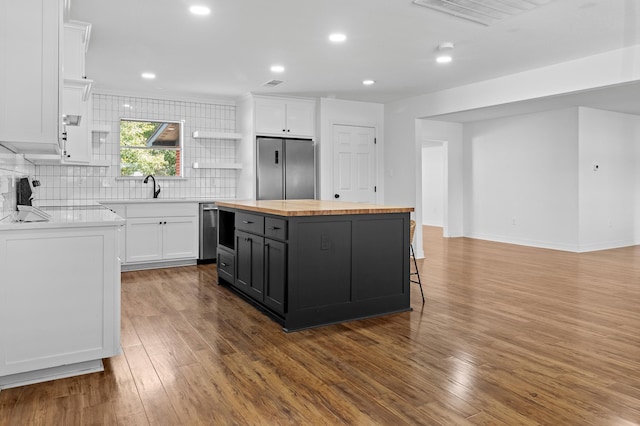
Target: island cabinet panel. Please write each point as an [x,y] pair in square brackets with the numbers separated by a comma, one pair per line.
[364,272]
[375,272]
[309,270]
[250,264]
[321,262]
[275,275]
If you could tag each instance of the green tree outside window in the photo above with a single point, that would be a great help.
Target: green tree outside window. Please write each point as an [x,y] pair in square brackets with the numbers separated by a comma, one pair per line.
[149,148]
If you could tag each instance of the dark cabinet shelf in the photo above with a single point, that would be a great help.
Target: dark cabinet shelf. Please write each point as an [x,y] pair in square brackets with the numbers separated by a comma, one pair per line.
[226,229]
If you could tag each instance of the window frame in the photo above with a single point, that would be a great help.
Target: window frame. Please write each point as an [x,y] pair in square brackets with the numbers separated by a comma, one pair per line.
[181,123]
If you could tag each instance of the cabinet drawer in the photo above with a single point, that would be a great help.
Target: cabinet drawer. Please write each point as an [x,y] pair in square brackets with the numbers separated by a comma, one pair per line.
[275,228]
[250,222]
[226,264]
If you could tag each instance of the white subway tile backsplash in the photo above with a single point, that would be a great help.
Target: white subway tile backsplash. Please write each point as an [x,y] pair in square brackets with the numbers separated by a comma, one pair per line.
[101,183]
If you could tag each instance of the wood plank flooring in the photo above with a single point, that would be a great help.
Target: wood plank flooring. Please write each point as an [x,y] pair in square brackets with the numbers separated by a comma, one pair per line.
[509,335]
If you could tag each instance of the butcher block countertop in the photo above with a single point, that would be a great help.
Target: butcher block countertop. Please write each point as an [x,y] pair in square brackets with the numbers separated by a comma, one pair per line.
[311,207]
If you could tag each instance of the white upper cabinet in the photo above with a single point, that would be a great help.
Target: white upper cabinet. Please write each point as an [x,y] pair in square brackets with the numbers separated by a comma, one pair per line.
[76,42]
[75,99]
[30,75]
[285,117]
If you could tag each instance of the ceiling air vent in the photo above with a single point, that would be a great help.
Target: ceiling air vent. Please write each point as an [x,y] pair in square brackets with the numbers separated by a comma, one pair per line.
[485,12]
[273,83]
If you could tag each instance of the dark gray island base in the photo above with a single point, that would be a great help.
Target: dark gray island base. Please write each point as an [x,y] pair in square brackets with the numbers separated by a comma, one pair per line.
[310,263]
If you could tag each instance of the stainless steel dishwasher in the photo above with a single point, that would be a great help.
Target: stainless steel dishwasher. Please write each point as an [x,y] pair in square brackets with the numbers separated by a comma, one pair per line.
[208,232]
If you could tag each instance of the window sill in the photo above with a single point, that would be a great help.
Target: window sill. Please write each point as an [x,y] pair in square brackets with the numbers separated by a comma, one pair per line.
[157,178]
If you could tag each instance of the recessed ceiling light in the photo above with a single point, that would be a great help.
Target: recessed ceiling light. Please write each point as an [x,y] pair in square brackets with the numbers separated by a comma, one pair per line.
[200,10]
[337,37]
[277,68]
[148,75]
[445,51]
[368,82]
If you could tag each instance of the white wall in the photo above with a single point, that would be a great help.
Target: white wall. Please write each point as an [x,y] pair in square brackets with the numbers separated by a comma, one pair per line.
[336,111]
[521,179]
[432,184]
[246,150]
[608,196]
[403,129]
[637,203]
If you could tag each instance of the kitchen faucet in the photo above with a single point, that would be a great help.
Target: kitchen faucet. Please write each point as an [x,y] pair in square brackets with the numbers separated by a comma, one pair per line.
[155,193]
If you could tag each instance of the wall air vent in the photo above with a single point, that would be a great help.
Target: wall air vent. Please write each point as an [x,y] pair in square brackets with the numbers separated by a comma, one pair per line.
[273,83]
[485,12]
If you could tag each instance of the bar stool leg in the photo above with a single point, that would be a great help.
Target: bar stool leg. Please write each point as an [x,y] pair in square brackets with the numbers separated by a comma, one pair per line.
[415,265]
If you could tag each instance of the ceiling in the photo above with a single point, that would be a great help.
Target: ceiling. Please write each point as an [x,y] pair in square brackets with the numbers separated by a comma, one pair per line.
[229,52]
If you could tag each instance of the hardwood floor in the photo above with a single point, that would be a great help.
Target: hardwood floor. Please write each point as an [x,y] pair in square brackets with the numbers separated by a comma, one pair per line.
[509,335]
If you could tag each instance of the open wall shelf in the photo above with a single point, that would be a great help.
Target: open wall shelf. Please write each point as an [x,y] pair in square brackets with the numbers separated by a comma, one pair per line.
[219,165]
[200,134]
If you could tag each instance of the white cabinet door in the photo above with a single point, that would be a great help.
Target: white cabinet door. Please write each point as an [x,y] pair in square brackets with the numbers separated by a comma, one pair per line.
[285,117]
[144,239]
[301,118]
[271,117]
[60,299]
[180,238]
[77,148]
[75,47]
[30,73]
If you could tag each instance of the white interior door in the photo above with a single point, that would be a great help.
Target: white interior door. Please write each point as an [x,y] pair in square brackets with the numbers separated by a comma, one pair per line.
[354,164]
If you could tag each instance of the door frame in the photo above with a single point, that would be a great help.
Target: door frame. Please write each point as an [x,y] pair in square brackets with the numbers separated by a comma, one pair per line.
[419,201]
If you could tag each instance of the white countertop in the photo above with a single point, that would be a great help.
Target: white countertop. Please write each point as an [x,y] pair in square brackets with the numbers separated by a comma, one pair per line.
[79,203]
[68,218]
[85,213]
[159,200]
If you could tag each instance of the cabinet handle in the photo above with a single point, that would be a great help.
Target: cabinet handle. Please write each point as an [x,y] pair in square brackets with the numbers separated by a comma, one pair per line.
[274,228]
[159,223]
[223,264]
[247,222]
[288,130]
[165,223]
[284,130]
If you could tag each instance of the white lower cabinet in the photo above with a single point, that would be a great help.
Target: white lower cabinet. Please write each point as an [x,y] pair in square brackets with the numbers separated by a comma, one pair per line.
[144,240]
[120,210]
[180,238]
[59,301]
[161,232]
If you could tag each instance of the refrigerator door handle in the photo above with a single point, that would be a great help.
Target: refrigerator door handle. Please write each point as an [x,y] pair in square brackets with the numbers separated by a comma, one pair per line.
[277,154]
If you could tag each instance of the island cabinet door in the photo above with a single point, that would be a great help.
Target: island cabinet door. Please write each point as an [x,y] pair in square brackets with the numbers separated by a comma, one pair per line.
[249,264]
[275,274]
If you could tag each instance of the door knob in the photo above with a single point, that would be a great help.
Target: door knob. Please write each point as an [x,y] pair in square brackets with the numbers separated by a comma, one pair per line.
[336,195]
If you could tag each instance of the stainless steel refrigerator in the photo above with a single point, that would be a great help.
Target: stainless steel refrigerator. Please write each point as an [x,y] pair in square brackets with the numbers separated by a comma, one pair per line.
[285,169]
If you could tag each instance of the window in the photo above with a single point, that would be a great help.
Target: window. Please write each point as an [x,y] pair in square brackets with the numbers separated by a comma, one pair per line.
[150,147]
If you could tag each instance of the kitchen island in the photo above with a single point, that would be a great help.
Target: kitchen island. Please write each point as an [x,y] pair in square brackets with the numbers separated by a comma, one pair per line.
[309,263]
[59,294]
